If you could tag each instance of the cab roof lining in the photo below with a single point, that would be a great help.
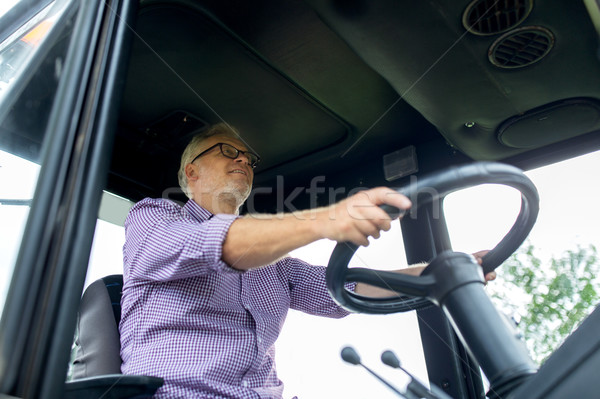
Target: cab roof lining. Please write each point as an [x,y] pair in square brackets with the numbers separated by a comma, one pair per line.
[301,98]
[442,70]
[319,88]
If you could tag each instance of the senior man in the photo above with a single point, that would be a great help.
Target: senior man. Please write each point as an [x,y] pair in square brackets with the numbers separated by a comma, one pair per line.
[206,292]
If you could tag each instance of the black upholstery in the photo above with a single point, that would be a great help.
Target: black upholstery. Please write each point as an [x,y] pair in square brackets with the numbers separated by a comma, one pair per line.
[97,343]
[96,362]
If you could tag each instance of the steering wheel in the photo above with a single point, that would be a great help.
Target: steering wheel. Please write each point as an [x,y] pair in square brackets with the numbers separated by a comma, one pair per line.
[416,290]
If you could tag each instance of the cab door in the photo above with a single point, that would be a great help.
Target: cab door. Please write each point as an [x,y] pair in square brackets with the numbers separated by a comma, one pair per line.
[61,72]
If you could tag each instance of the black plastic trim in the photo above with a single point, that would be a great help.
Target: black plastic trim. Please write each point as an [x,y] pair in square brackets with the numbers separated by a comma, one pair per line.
[112,387]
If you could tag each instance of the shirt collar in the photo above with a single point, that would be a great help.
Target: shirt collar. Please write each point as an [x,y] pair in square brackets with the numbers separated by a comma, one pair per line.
[197,211]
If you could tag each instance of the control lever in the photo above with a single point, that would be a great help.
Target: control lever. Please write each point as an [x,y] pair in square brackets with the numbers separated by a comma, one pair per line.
[414,386]
[349,355]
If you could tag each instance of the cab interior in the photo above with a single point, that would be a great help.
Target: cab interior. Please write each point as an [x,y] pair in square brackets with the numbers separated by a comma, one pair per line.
[357,93]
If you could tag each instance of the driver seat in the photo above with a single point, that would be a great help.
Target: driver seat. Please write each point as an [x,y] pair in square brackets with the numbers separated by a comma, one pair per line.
[95,369]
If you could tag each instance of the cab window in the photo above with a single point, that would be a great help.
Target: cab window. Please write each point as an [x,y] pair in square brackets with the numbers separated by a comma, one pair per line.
[308,350]
[18,177]
[30,68]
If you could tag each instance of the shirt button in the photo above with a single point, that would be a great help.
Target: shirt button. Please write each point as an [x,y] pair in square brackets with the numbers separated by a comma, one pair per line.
[259,340]
[245,383]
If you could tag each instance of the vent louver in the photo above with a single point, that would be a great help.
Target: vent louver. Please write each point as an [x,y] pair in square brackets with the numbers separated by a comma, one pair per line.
[489,17]
[521,47]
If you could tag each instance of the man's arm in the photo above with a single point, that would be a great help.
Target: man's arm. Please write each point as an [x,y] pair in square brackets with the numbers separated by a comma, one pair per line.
[413,270]
[376,292]
[256,241]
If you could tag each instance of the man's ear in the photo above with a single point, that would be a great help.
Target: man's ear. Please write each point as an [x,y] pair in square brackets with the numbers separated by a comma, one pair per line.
[190,172]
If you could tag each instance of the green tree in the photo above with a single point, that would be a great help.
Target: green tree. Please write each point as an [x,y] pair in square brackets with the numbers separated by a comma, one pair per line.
[552,298]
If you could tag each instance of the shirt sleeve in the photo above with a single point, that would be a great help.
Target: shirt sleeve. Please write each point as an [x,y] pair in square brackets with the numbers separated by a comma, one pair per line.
[162,243]
[308,289]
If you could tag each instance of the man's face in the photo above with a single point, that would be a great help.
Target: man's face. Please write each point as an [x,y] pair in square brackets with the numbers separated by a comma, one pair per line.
[214,177]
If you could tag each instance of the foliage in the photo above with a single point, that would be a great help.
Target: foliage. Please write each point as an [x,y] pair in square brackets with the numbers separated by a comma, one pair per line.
[552,298]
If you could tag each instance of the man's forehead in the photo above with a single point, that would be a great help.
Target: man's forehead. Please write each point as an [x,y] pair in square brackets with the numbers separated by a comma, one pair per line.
[221,138]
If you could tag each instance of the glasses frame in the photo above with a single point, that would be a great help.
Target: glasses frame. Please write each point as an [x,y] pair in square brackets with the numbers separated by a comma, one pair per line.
[237,154]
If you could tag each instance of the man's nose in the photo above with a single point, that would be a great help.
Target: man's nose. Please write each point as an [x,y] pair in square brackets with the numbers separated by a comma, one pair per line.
[242,158]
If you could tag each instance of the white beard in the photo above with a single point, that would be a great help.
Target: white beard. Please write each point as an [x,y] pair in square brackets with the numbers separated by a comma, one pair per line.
[234,194]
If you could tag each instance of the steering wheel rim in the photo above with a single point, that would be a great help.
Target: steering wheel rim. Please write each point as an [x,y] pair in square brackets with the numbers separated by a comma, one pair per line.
[415,289]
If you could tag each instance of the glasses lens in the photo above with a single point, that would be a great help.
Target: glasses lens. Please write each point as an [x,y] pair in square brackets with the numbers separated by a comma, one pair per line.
[229,151]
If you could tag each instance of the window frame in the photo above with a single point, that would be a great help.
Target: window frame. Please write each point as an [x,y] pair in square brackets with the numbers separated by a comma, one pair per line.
[39,317]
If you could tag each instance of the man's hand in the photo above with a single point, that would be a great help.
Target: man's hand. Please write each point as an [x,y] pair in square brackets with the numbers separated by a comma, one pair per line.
[359,217]
[491,276]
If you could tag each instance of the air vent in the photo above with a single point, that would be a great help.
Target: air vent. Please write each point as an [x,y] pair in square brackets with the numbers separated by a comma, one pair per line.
[521,47]
[489,17]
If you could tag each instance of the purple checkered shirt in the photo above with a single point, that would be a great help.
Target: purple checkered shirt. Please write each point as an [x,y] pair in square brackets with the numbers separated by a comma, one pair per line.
[206,328]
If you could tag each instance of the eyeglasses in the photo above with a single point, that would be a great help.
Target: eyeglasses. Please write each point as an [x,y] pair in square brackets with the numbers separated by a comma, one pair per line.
[231,152]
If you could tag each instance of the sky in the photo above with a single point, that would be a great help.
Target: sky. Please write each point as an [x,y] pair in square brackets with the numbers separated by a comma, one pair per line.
[308,351]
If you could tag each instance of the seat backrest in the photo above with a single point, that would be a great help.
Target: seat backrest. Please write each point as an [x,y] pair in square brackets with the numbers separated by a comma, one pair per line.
[97,342]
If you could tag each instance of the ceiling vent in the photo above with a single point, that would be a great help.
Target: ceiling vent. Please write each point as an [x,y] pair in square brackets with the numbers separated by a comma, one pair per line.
[521,47]
[489,17]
